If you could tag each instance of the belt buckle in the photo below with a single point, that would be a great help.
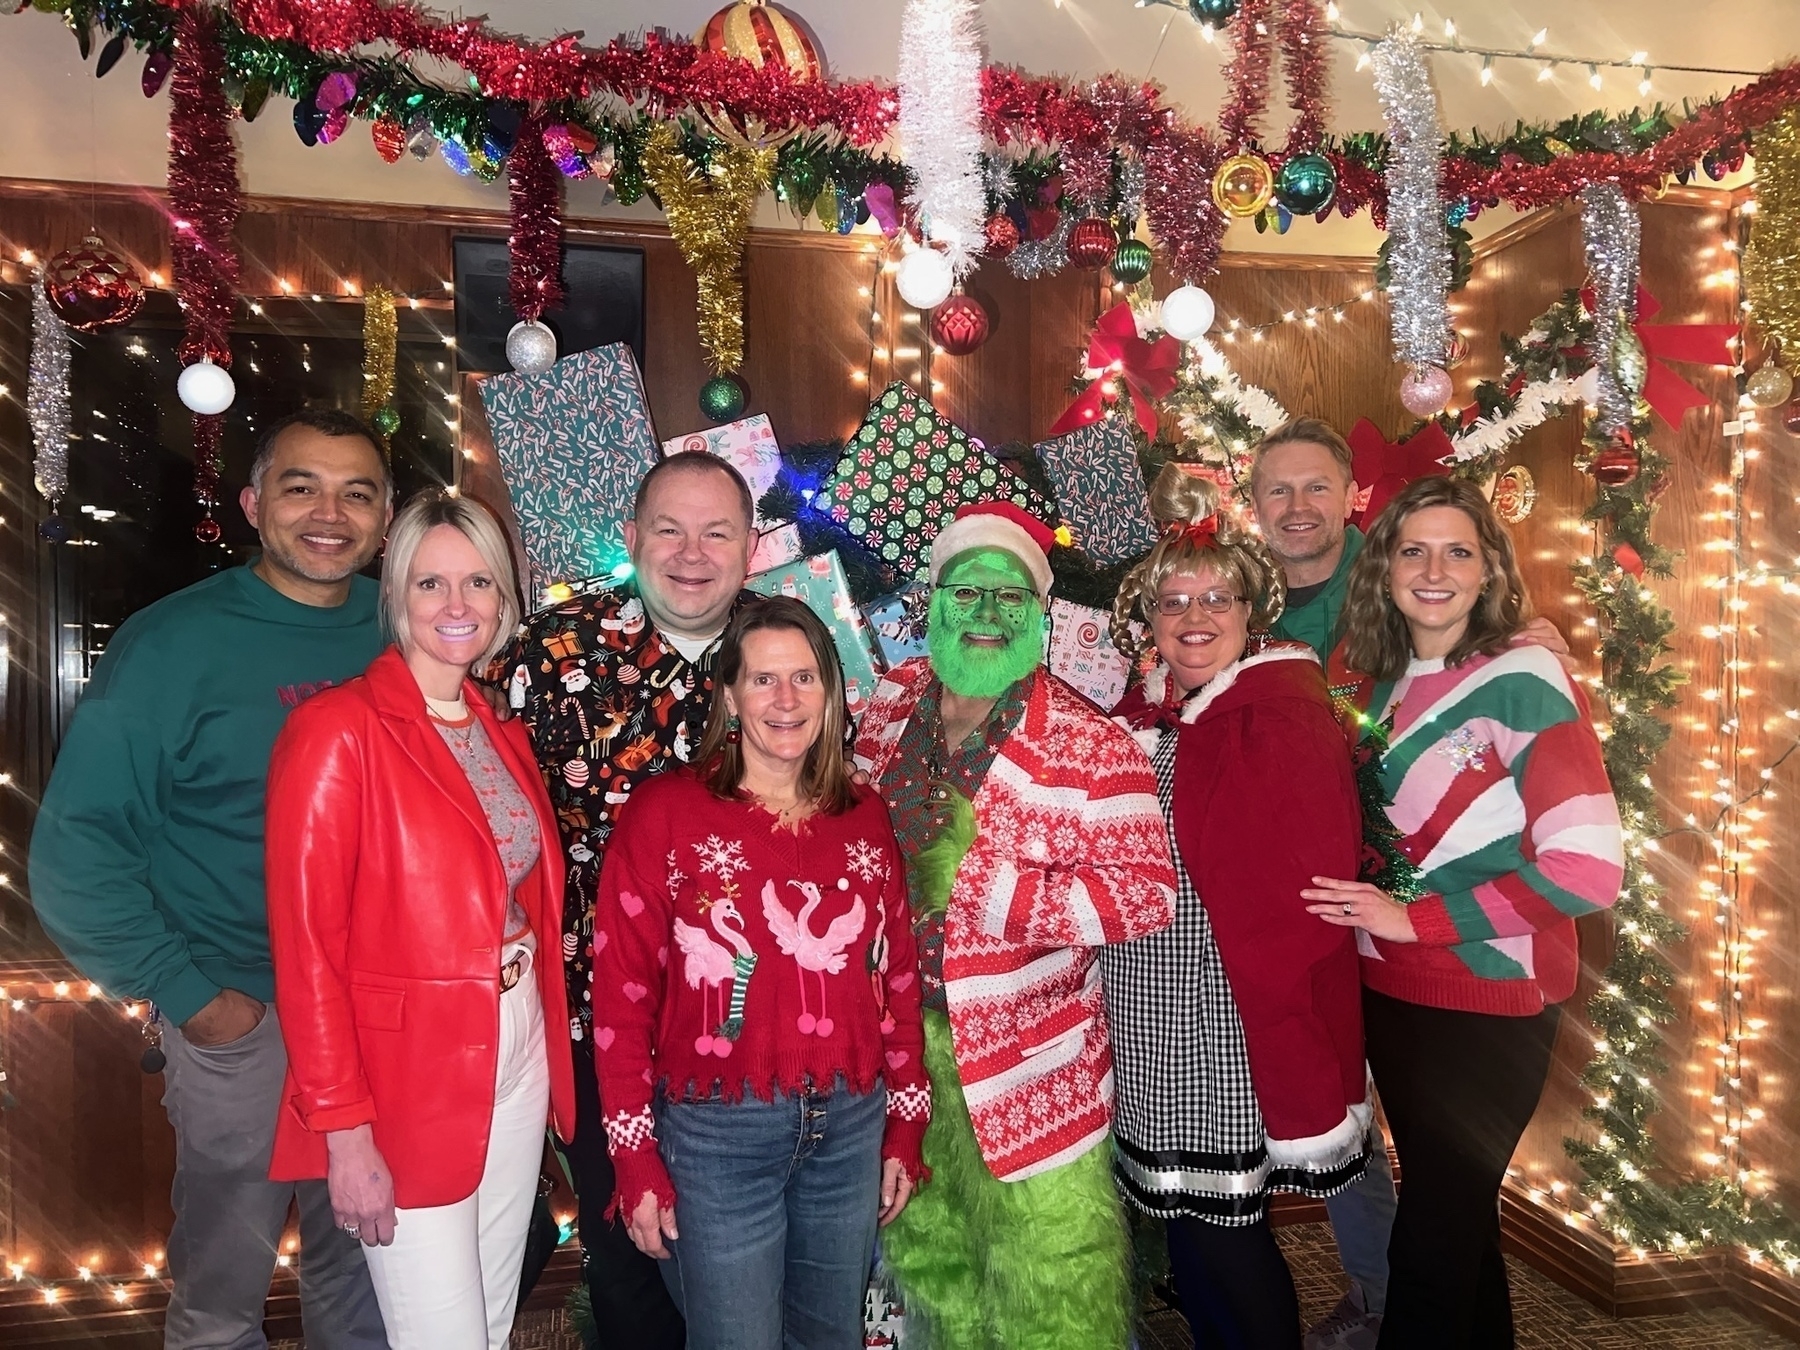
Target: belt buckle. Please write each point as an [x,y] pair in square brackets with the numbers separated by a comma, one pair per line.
[511,972]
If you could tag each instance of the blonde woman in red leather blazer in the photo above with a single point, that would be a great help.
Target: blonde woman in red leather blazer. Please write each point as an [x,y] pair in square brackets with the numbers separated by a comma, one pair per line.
[415,907]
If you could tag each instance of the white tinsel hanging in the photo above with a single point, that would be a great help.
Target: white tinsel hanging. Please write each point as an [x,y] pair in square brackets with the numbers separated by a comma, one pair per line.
[940,124]
[1610,234]
[1419,260]
[47,396]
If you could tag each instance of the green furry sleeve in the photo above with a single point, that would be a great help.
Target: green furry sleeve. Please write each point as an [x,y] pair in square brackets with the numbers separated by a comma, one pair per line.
[934,866]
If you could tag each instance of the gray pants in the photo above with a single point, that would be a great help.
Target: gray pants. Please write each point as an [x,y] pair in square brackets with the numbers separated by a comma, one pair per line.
[1362,1218]
[223,1102]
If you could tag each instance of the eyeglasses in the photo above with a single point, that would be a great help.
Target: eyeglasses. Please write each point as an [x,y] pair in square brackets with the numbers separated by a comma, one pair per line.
[1007,597]
[1213,602]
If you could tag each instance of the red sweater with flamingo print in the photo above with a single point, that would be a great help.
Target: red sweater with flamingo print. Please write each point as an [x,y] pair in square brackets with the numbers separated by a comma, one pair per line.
[733,955]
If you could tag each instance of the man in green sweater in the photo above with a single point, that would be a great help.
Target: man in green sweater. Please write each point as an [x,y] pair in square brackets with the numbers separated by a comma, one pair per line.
[147,865]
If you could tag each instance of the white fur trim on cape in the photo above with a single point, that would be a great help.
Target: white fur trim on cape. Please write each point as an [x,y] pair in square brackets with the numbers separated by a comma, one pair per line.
[1324,1152]
[1156,683]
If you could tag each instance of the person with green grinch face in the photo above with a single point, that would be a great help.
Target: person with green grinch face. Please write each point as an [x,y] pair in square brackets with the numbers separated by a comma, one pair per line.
[1032,838]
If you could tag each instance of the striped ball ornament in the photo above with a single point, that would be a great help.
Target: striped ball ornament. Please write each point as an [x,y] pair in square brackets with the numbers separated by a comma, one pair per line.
[763,35]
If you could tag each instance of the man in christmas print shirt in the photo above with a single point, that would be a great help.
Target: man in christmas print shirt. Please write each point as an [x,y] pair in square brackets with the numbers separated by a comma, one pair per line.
[614,686]
[1032,836]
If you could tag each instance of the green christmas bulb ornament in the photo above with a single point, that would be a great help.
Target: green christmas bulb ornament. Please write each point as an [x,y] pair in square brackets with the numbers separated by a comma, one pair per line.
[387,420]
[1218,13]
[1306,185]
[1132,262]
[723,398]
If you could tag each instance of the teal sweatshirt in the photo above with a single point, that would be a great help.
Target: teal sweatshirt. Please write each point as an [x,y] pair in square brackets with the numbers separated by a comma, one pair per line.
[147,857]
[1316,622]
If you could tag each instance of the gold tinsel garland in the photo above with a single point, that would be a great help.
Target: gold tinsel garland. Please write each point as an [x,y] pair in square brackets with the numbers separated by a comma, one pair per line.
[709,212]
[381,331]
[1772,260]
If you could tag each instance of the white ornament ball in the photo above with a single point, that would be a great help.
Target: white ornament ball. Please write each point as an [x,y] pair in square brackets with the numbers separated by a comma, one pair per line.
[206,388]
[925,278]
[1769,387]
[1187,312]
[531,347]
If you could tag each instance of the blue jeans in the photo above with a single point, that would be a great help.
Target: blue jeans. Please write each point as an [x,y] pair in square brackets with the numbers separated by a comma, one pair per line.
[1362,1218]
[776,1203]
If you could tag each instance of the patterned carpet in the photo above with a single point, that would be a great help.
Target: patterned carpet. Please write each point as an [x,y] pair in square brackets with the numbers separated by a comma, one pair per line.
[1548,1318]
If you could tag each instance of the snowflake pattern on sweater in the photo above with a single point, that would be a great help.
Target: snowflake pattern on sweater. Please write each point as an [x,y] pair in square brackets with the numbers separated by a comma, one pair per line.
[782,959]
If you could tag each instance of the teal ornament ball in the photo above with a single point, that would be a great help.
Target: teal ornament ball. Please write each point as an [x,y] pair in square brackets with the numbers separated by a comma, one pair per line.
[1306,185]
[1218,13]
[723,398]
[1132,261]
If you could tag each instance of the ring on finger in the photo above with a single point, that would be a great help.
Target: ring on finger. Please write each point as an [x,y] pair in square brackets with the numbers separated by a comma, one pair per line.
[1349,908]
[352,1229]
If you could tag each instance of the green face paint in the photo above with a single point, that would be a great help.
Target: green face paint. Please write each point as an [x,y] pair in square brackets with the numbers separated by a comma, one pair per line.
[981,650]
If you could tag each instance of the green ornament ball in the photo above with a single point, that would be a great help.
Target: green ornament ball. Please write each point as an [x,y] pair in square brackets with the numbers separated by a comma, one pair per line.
[1306,185]
[1132,262]
[723,397]
[387,420]
[1218,13]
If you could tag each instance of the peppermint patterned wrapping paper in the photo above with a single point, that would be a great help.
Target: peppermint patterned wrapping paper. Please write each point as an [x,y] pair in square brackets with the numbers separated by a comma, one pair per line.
[1100,489]
[573,443]
[904,474]
[1082,654]
[899,623]
[819,581]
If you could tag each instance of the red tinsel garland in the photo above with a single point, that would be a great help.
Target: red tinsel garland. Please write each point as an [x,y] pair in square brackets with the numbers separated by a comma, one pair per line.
[1247,74]
[535,245]
[1306,63]
[204,201]
[1178,170]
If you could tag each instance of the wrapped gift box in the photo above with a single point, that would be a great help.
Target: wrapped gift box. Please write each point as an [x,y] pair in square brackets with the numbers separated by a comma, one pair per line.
[750,447]
[898,623]
[1100,489]
[820,582]
[573,443]
[776,547]
[1082,654]
[904,474]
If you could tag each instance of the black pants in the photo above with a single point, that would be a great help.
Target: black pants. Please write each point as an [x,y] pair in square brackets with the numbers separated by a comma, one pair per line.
[1459,1089]
[1235,1287]
[632,1307]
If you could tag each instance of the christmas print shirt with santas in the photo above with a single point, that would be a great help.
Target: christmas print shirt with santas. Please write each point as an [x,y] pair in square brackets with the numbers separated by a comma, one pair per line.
[735,955]
[609,704]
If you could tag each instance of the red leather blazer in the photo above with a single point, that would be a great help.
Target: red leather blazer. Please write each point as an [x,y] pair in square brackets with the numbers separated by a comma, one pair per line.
[387,902]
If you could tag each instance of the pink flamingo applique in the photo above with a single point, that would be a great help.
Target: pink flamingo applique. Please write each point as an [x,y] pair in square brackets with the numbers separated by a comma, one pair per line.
[711,964]
[821,955]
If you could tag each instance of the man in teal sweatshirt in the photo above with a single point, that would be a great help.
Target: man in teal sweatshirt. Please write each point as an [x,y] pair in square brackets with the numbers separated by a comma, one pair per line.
[147,865]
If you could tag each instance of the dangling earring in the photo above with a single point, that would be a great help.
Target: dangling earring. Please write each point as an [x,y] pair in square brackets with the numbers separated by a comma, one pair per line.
[731,730]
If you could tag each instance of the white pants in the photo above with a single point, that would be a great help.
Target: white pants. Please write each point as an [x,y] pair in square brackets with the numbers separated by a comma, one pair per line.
[451,1277]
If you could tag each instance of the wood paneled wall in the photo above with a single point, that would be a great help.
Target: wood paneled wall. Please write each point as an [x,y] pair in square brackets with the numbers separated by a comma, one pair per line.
[84,1160]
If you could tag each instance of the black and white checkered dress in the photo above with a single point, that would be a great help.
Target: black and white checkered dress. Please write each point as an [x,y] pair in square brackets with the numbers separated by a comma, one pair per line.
[1188,1135]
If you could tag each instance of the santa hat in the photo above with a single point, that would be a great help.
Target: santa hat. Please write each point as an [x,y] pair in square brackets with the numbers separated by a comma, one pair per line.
[998,525]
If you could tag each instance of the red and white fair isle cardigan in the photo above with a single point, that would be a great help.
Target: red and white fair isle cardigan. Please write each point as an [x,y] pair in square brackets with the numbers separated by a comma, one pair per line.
[1070,853]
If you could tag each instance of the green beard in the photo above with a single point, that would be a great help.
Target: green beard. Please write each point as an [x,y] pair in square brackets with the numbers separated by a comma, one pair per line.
[982,672]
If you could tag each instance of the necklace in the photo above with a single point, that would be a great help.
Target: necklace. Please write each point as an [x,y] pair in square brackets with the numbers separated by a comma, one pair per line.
[454,716]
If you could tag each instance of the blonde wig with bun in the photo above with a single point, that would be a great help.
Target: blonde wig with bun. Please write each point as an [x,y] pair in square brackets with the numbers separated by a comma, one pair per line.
[1181,497]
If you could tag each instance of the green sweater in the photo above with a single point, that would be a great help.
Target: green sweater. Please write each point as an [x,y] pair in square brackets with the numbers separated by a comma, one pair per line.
[1316,622]
[147,858]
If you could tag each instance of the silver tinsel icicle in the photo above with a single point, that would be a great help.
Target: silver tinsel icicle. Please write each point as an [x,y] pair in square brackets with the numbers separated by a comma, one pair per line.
[1610,234]
[1419,259]
[1042,257]
[47,396]
[1131,188]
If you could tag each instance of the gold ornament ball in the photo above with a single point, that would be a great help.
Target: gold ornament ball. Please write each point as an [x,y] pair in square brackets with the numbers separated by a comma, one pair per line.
[1243,185]
[1769,387]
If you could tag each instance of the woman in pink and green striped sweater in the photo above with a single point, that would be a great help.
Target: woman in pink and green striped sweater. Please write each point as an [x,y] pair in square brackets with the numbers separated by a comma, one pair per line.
[1500,829]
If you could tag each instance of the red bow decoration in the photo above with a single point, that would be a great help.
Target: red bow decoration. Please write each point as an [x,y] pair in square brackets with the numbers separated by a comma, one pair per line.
[1201,534]
[1701,343]
[1381,469]
[1146,369]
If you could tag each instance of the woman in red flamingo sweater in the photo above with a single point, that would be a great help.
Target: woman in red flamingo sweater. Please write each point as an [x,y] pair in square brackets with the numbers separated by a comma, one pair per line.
[756,1007]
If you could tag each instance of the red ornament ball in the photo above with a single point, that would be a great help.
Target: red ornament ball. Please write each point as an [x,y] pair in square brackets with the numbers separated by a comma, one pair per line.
[763,35]
[1002,236]
[1790,418]
[1092,243]
[91,288]
[1618,464]
[389,137]
[959,325]
[207,531]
